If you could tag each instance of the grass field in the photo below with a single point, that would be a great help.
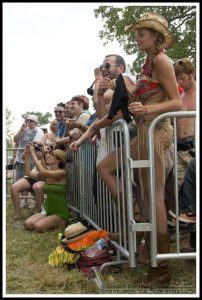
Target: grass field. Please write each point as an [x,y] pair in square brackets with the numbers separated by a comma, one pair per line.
[28,271]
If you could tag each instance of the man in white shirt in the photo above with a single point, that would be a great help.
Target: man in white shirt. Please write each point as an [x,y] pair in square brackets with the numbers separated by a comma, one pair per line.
[28,133]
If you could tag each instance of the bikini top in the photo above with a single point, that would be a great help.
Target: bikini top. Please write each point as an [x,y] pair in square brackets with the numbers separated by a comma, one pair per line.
[145,88]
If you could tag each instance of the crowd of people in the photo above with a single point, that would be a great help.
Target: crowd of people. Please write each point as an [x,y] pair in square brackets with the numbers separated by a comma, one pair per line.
[162,87]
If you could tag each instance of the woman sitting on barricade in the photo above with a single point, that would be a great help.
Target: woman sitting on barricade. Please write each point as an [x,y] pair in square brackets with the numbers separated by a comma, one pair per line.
[55,211]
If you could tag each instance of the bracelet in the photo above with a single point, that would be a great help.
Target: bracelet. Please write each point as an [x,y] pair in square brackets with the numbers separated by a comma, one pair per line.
[145,110]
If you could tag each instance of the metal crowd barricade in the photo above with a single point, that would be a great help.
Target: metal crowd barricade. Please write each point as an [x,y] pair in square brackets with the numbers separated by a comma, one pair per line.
[97,206]
[11,172]
[89,198]
[154,256]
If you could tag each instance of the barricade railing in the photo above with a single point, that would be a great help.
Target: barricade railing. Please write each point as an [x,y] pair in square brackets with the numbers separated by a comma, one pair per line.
[89,196]
[90,199]
[11,172]
[177,255]
[100,210]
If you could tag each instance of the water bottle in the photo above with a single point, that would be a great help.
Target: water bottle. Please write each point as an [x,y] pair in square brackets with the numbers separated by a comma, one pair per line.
[99,245]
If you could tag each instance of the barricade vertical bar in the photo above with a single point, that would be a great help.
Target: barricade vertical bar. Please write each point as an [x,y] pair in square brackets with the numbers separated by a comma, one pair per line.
[176,186]
[152,202]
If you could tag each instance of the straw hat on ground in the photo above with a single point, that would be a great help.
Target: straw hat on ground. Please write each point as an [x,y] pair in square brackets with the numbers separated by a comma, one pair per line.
[154,21]
[74,232]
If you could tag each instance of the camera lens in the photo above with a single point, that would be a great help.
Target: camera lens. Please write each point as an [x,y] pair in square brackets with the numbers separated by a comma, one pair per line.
[37,147]
[90,91]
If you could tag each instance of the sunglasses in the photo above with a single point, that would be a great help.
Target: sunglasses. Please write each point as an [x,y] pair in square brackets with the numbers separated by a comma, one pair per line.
[107,66]
[58,111]
[179,62]
[50,152]
[28,120]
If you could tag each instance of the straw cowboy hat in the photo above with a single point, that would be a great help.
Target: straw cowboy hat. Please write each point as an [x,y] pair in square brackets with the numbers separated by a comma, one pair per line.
[74,232]
[154,21]
[60,154]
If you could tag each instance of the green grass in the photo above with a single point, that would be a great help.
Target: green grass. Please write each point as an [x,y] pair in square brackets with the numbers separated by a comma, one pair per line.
[28,271]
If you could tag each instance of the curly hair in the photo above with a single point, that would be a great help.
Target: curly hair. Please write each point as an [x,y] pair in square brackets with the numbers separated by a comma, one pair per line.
[81,99]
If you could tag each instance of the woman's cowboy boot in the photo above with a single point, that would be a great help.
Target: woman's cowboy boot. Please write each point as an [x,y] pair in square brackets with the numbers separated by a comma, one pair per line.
[161,274]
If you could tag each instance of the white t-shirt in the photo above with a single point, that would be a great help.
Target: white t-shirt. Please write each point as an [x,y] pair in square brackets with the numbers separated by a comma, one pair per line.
[28,136]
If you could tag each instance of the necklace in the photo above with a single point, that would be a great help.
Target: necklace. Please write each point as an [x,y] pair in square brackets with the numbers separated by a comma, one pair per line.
[147,67]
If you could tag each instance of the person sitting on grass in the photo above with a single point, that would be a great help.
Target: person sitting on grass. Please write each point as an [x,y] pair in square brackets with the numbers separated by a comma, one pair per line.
[55,211]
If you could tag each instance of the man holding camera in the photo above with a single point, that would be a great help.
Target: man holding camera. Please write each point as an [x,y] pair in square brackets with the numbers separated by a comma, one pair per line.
[28,133]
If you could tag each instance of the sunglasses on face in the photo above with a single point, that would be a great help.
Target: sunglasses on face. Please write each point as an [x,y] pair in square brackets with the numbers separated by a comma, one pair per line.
[179,62]
[107,66]
[58,111]
[50,152]
[28,120]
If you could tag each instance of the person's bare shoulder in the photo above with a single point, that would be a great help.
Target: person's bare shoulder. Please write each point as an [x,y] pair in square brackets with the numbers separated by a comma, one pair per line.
[130,86]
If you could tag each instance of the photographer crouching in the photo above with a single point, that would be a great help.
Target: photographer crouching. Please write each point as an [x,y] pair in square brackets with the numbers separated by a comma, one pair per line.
[55,212]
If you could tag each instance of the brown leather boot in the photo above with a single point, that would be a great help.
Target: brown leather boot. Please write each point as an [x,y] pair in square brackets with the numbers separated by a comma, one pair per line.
[161,274]
[143,250]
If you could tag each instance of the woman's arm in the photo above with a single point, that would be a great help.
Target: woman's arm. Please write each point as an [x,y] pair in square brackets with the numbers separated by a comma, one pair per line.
[76,144]
[165,75]
[41,157]
[65,140]
[28,172]
[55,174]
[44,138]
[94,128]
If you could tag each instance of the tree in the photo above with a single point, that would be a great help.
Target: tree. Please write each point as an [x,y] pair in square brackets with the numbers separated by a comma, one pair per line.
[42,118]
[9,133]
[181,20]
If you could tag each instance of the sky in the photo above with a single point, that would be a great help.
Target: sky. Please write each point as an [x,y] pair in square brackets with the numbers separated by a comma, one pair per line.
[50,51]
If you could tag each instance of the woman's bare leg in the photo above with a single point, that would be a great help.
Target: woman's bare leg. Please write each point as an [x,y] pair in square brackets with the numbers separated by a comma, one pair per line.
[29,224]
[19,186]
[161,215]
[106,168]
[38,189]
[49,223]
